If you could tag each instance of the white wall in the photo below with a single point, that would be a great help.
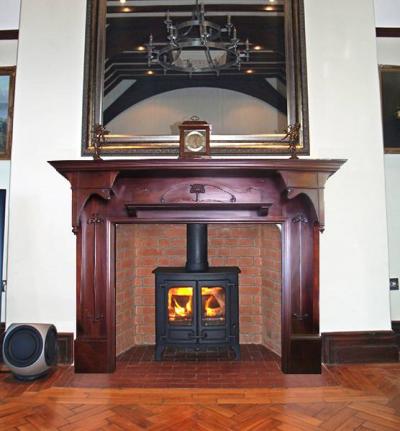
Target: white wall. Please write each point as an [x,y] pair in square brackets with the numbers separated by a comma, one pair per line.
[47,126]
[392,171]
[8,52]
[8,57]
[229,112]
[388,50]
[344,106]
[389,54]
[4,184]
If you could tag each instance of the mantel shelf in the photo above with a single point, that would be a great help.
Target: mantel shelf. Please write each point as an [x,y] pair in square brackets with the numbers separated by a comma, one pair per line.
[235,167]
[261,209]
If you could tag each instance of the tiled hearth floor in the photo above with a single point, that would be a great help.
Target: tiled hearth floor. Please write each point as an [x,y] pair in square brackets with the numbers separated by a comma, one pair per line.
[136,368]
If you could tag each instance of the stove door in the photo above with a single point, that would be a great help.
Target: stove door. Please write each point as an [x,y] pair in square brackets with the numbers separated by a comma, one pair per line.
[213,311]
[180,311]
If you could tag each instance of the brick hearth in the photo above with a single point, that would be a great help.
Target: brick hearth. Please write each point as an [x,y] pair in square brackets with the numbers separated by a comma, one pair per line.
[256,249]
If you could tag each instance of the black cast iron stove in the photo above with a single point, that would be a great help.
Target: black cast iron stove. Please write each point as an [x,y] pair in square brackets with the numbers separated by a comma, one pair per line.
[197,307]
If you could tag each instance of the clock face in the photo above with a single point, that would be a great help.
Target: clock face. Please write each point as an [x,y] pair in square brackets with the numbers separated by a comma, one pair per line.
[195,141]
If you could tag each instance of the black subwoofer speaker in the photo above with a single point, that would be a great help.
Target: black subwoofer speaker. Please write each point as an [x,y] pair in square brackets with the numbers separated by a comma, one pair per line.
[30,350]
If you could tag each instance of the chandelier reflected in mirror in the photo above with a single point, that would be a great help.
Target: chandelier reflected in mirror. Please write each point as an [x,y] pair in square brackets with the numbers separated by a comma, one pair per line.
[198,45]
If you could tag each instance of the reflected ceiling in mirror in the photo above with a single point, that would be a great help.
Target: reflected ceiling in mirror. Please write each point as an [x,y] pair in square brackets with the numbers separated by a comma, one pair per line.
[158,63]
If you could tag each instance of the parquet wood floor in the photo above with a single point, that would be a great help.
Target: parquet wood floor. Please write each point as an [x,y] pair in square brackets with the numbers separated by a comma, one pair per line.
[356,397]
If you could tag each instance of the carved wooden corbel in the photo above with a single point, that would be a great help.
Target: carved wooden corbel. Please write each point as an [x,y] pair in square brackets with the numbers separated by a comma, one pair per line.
[84,185]
[311,184]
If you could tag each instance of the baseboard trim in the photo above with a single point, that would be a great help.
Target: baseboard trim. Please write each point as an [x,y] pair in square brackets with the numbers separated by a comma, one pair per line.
[9,34]
[387,32]
[396,325]
[359,347]
[396,329]
[65,347]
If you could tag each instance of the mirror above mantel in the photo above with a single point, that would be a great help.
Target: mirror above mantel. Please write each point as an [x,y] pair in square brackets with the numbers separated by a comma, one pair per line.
[152,64]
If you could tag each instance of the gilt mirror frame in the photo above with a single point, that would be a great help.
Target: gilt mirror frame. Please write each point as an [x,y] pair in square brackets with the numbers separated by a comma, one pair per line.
[168,145]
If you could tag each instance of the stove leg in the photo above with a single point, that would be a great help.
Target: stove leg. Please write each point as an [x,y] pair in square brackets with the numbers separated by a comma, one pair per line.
[159,353]
[236,350]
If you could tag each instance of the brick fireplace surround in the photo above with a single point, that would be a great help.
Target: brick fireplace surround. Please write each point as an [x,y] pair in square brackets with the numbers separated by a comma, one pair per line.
[256,249]
[245,198]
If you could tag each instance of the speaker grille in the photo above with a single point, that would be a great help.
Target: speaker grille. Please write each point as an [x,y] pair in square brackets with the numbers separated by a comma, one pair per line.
[51,347]
[23,346]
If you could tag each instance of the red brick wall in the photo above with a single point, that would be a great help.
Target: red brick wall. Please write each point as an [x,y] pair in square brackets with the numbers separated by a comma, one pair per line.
[141,248]
[271,292]
[239,245]
[125,304]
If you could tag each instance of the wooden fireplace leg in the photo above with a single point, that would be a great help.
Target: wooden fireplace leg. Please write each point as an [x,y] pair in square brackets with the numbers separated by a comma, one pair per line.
[236,351]
[158,354]
[301,349]
[95,342]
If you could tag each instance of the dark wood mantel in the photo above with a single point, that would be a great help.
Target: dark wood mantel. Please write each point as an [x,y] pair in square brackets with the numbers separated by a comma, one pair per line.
[107,193]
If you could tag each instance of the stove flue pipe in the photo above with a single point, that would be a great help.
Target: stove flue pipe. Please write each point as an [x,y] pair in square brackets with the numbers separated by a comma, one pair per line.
[197,247]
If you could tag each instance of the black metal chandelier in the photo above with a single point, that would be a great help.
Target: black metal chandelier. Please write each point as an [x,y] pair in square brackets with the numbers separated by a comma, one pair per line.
[198,45]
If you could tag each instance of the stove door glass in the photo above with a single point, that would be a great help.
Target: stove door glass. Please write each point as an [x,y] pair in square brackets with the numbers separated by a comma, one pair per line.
[180,305]
[213,306]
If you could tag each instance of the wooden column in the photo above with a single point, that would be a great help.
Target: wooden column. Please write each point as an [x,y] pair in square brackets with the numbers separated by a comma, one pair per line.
[302,342]
[95,299]
[95,342]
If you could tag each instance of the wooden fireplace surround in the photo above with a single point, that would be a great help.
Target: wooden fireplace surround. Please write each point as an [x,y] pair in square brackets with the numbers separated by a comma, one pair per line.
[107,193]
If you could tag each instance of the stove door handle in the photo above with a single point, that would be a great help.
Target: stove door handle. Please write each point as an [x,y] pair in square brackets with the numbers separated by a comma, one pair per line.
[197,337]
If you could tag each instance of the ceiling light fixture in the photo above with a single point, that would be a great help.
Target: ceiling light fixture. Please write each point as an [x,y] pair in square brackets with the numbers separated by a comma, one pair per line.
[198,45]
[249,71]
[257,48]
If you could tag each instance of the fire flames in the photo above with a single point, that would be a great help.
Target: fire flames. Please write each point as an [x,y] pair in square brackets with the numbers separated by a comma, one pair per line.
[180,303]
[213,301]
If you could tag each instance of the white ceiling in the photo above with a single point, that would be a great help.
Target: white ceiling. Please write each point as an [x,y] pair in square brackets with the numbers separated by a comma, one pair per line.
[9,14]
[387,13]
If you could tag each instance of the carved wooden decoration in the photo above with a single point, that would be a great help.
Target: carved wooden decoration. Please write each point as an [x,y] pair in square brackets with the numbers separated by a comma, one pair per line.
[288,192]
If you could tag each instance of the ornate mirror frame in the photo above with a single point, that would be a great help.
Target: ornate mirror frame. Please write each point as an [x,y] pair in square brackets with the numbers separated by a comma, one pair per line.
[157,145]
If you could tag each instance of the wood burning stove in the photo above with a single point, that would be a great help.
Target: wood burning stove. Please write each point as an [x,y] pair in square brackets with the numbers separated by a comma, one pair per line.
[197,307]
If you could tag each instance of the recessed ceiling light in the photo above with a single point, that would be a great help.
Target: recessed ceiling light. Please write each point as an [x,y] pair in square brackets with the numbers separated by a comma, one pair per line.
[257,48]
[269,8]
[150,72]
[122,1]
[126,9]
[249,71]
[141,48]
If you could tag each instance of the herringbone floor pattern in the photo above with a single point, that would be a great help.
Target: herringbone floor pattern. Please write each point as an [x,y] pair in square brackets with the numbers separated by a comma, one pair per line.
[365,397]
